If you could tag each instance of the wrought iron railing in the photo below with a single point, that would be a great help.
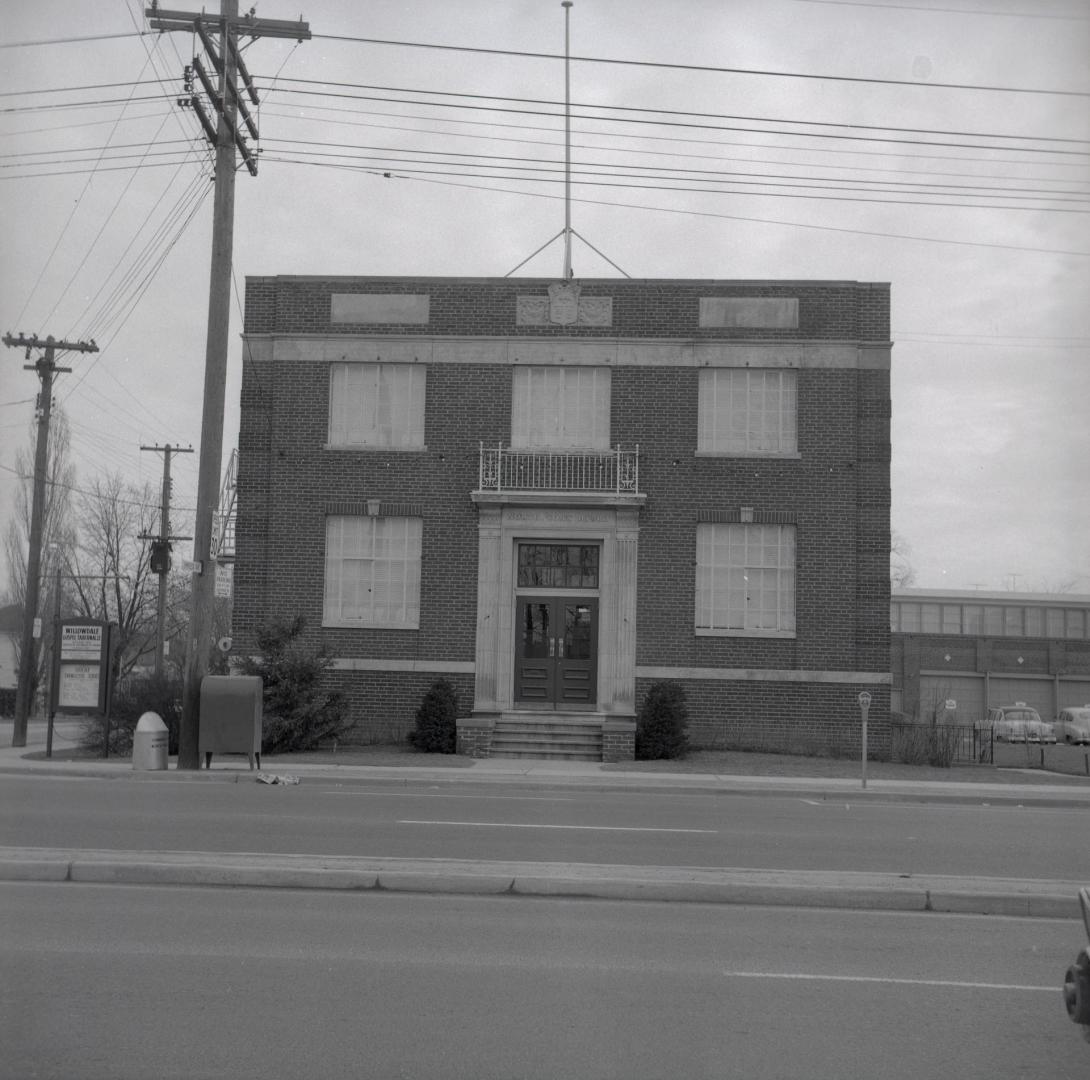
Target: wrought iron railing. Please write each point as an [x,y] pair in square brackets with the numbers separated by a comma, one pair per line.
[940,744]
[505,469]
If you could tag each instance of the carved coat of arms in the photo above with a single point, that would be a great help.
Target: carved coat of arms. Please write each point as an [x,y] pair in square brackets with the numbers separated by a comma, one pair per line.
[563,307]
[564,303]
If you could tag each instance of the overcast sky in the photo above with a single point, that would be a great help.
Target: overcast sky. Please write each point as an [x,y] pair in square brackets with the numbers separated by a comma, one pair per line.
[940,147]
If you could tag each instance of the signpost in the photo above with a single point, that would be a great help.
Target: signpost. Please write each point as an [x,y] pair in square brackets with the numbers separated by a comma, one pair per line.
[864,706]
[82,671]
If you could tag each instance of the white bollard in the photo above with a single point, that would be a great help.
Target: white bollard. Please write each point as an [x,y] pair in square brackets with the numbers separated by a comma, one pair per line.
[149,743]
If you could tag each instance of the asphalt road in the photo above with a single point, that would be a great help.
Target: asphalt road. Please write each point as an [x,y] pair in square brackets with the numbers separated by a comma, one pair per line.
[125,982]
[495,822]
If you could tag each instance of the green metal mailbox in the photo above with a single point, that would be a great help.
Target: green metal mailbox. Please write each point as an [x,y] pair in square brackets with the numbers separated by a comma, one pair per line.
[230,721]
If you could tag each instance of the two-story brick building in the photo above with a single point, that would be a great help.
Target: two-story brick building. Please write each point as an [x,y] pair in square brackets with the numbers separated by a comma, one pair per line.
[554,494]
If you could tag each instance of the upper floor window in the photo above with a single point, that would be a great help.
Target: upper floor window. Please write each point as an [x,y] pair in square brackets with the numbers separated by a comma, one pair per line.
[372,572]
[745,579]
[377,405]
[560,408]
[746,411]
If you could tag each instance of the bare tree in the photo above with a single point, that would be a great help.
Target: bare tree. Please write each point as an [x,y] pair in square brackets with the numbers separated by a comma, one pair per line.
[111,568]
[57,532]
[902,574]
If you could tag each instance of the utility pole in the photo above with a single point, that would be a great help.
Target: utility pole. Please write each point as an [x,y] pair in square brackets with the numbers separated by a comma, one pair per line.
[225,136]
[161,549]
[46,368]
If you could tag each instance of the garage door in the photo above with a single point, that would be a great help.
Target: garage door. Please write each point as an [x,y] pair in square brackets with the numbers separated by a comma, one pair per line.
[1038,692]
[966,690]
[1074,692]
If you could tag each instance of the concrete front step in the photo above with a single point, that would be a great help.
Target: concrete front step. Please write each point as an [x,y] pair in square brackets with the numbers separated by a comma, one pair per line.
[560,731]
[545,755]
[548,736]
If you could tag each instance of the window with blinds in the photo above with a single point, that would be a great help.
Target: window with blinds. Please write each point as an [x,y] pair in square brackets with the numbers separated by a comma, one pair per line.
[377,405]
[560,408]
[372,572]
[747,411]
[745,579]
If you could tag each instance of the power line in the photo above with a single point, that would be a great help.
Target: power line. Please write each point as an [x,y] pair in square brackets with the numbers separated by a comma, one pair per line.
[72,40]
[948,11]
[60,106]
[688,140]
[679,112]
[672,154]
[695,174]
[38,91]
[83,491]
[700,127]
[97,149]
[701,67]
[403,170]
[83,172]
[733,217]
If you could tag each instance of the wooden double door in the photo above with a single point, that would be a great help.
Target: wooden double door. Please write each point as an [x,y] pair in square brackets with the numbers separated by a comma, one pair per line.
[556,651]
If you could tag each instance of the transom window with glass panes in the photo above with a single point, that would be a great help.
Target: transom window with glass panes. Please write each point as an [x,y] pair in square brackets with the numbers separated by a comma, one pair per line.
[558,566]
[377,405]
[745,579]
[372,572]
[747,411]
[560,408]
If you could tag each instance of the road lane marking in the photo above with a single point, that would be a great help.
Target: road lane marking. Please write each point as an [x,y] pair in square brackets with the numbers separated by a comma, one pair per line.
[447,795]
[953,983]
[591,828]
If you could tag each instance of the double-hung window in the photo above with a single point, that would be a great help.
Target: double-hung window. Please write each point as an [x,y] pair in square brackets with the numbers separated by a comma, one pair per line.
[377,405]
[745,579]
[372,572]
[747,411]
[560,408]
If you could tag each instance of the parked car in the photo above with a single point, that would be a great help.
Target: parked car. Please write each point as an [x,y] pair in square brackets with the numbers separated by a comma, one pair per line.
[1073,725]
[1019,723]
[1076,987]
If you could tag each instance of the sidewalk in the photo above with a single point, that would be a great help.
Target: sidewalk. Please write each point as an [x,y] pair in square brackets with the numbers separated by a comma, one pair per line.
[738,885]
[1021,787]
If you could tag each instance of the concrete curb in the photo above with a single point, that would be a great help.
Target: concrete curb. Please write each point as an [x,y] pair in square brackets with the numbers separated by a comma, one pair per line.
[824,790]
[820,889]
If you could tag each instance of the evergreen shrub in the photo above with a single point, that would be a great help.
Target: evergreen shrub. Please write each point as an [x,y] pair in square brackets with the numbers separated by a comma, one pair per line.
[436,720]
[297,710]
[662,723]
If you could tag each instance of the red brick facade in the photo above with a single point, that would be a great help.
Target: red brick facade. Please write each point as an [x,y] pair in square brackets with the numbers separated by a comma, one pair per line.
[785,693]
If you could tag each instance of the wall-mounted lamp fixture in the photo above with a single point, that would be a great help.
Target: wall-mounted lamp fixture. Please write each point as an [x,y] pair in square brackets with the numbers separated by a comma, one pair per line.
[747,515]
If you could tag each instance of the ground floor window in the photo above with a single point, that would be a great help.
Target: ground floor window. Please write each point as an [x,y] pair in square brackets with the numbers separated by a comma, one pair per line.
[372,571]
[745,579]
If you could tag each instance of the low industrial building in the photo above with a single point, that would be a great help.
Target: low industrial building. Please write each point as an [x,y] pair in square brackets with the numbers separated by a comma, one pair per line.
[977,650]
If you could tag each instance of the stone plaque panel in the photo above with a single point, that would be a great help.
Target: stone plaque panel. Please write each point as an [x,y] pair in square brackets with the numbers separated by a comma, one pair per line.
[750,312]
[365,309]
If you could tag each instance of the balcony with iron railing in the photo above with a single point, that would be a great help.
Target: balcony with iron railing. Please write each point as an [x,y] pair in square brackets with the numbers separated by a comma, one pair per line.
[585,475]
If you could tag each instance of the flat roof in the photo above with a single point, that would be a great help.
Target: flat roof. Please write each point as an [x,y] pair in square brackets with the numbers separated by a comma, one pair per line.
[976,596]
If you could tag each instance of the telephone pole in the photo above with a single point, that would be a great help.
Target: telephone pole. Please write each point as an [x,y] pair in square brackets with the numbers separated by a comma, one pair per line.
[161,549]
[46,368]
[226,137]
